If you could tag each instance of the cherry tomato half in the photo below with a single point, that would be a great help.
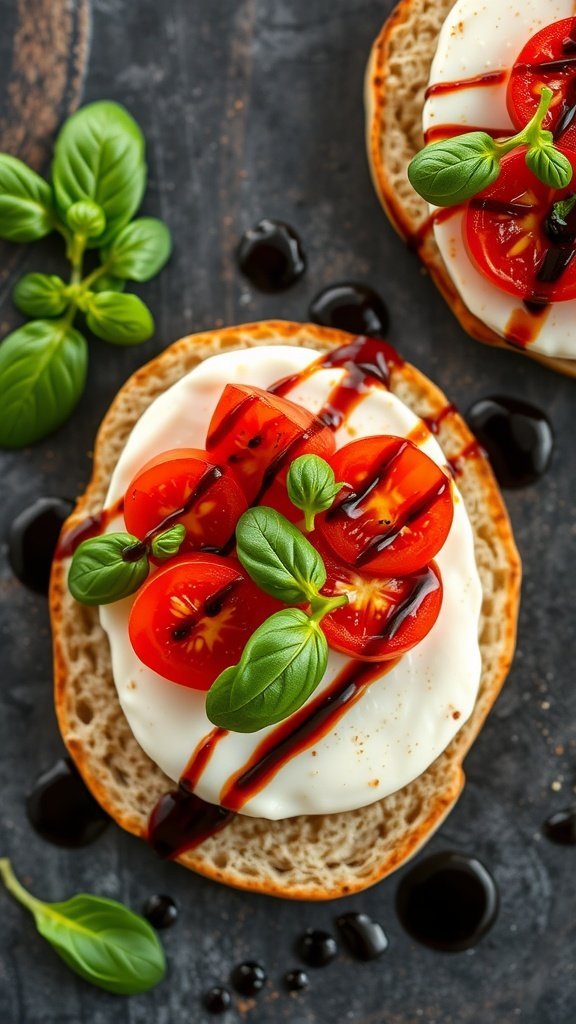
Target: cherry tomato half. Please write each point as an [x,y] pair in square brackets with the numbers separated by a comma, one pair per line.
[186,481]
[549,58]
[384,617]
[192,618]
[395,510]
[510,234]
[257,435]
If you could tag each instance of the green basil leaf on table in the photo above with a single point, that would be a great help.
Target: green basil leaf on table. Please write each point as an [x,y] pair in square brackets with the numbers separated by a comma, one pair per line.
[167,544]
[446,173]
[107,568]
[101,940]
[281,665]
[108,283]
[549,165]
[277,557]
[40,295]
[86,218]
[311,486]
[26,206]
[42,375]
[119,319]
[139,250]
[99,155]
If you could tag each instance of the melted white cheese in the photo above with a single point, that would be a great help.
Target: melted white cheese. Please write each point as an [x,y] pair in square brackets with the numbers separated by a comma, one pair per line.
[403,721]
[477,38]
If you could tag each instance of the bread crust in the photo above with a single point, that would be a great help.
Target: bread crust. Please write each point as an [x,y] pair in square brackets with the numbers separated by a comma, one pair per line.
[394,136]
[309,857]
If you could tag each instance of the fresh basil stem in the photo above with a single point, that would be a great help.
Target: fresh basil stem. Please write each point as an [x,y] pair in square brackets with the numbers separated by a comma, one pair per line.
[311,486]
[100,939]
[107,568]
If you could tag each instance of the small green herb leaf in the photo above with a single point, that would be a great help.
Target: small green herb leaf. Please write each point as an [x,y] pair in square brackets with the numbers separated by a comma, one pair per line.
[42,375]
[40,295]
[119,319]
[100,939]
[446,173]
[99,155]
[277,557]
[168,543]
[107,568]
[311,486]
[140,250]
[86,218]
[108,283]
[281,665]
[26,211]
[549,165]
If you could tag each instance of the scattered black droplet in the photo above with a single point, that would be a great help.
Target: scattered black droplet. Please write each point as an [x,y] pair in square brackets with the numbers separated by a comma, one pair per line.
[517,436]
[351,307]
[448,901]
[270,255]
[364,937]
[32,540]
[62,809]
[561,827]
[161,911]
[249,978]
[217,999]
[317,948]
[296,980]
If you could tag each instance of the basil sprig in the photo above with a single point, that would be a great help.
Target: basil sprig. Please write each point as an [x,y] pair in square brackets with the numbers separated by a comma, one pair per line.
[452,171]
[277,557]
[100,939]
[311,486]
[98,180]
[107,568]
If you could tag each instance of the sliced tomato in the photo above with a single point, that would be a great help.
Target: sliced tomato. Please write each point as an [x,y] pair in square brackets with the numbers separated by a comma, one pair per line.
[257,435]
[384,617]
[511,235]
[192,618]
[395,510]
[184,485]
[548,58]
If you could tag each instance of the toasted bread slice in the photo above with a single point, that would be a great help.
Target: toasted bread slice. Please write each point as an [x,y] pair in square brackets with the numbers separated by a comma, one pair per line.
[396,79]
[308,857]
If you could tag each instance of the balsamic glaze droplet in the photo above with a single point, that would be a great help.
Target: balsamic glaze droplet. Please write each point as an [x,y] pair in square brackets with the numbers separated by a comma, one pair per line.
[356,308]
[217,999]
[249,978]
[296,980]
[448,901]
[561,827]
[161,911]
[317,948]
[270,255]
[32,541]
[364,937]
[62,809]
[517,436]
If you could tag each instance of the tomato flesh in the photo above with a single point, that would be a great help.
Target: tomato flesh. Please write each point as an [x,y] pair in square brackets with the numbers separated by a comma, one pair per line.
[548,58]
[187,481]
[192,618]
[508,234]
[395,510]
[256,435]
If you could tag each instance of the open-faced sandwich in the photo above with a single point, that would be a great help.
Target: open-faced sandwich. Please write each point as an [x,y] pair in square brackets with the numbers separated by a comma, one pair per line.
[283,608]
[490,203]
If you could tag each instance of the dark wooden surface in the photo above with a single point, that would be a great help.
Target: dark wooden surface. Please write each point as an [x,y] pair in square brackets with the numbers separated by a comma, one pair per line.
[254,109]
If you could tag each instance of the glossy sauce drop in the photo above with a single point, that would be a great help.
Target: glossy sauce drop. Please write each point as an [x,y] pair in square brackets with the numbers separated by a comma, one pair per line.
[181,821]
[317,948]
[270,255]
[62,809]
[296,980]
[448,901]
[161,911]
[249,978]
[32,541]
[561,827]
[517,436]
[217,999]
[365,938]
[355,308]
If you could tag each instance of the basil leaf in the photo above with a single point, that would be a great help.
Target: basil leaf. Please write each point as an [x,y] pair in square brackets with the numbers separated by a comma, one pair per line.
[446,173]
[42,375]
[100,939]
[281,665]
[101,573]
[40,295]
[549,165]
[108,283]
[311,486]
[277,557]
[168,543]
[86,218]
[140,250]
[26,211]
[119,319]
[99,155]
